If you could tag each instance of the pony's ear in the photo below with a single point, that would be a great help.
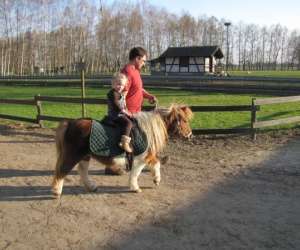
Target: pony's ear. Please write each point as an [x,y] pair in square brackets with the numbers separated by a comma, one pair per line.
[187,112]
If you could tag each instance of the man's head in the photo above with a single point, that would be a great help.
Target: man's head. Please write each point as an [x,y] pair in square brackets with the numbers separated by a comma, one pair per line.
[138,57]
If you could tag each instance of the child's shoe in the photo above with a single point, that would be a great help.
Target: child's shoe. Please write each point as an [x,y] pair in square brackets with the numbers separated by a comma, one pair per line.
[125,140]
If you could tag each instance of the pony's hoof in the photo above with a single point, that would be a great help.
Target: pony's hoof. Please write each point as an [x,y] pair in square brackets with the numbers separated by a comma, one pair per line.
[156,182]
[92,188]
[164,160]
[138,190]
[56,194]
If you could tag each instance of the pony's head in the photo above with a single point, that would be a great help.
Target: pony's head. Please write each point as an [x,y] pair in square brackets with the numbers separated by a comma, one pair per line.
[177,118]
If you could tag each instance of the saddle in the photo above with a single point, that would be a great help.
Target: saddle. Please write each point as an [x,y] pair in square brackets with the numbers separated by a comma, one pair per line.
[106,135]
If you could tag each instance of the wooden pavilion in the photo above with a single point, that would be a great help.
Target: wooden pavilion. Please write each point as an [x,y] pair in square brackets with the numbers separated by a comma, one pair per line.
[187,60]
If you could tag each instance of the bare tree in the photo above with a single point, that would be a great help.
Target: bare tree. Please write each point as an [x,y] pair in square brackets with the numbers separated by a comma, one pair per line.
[52,35]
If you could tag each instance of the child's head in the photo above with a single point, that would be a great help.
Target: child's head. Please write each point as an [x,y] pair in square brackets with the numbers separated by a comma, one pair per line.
[119,82]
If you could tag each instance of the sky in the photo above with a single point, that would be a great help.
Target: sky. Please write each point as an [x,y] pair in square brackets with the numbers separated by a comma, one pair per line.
[260,12]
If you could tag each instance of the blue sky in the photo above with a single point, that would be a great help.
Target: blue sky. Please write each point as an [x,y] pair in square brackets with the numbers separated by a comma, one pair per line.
[268,12]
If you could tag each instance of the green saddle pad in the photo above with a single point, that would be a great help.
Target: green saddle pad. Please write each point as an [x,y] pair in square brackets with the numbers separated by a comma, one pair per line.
[104,140]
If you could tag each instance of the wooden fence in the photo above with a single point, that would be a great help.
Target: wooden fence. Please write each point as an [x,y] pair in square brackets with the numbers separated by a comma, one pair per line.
[253,108]
[40,116]
[275,100]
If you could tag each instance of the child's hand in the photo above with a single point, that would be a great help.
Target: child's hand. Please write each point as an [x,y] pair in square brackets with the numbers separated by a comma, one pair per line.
[126,113]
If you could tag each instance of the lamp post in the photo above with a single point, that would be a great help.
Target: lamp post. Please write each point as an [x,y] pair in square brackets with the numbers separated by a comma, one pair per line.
[100,2]
[227,24]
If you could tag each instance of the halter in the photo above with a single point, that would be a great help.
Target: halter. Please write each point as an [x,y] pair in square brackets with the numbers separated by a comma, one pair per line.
[156,105]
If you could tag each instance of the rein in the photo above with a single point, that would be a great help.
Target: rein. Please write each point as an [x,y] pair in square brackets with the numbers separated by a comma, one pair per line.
[129,157]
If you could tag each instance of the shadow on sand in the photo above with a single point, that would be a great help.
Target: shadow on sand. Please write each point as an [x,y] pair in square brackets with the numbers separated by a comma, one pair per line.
[7,173]
[9,131]
[256,209]
[31,193]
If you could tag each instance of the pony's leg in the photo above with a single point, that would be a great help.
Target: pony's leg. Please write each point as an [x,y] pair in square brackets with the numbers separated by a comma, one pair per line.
[136,170]
[72,146]
[155,170]
[58,179]
[114,166]
[63,167]
[83,167]
[57,185]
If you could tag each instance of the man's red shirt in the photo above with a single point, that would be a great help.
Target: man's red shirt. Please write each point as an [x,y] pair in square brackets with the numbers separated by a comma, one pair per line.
[134,97]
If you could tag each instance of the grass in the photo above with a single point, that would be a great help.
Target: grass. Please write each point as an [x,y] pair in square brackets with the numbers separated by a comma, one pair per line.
[267,73]
[165,97]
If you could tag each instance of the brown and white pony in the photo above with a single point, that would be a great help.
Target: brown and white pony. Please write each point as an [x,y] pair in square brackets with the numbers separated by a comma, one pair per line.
[72,144]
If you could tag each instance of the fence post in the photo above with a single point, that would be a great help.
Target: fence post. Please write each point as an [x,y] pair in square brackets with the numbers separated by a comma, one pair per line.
[39,110]
[253,119]
[82,77]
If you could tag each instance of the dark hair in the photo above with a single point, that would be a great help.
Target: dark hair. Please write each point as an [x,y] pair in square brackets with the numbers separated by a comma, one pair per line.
[137,51]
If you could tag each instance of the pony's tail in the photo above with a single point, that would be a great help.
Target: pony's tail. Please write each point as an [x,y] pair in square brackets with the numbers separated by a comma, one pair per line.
[60,149]
[57,183]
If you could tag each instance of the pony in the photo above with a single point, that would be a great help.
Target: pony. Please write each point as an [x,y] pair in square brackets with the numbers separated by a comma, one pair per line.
[72,145]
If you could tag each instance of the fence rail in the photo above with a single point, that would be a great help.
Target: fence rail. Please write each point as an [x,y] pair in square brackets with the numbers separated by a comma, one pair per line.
[253,108]
[223,108]
[275,100]
[18,118]
[17,101]
[73,100]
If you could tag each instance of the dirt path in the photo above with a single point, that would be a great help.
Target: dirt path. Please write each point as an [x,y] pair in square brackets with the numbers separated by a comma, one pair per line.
[216,193]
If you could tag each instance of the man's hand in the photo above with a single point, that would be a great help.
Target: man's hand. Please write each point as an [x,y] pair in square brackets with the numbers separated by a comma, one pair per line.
[152,100]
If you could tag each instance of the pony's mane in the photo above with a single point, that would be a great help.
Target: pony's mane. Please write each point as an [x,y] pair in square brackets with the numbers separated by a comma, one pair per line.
[176,109]
[156,123]
[154,127]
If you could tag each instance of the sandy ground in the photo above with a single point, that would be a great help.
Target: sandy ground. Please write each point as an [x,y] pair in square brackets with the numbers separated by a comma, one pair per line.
[216,193]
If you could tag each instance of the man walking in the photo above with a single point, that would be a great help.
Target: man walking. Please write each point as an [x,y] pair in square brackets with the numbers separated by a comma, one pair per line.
[135,90]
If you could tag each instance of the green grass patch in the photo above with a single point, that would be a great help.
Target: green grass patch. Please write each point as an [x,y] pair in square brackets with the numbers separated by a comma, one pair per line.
[268,73]
[165,98]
